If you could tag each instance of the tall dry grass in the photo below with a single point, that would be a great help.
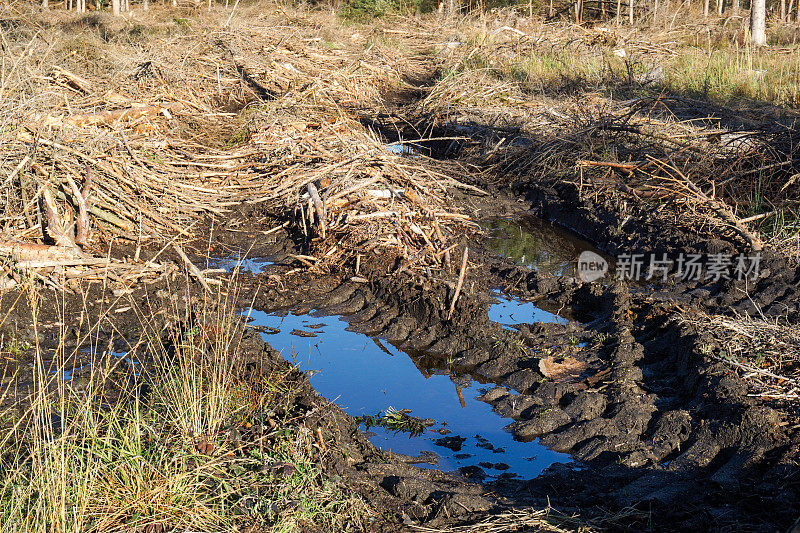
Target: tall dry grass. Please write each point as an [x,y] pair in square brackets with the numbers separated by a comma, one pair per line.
[144,442]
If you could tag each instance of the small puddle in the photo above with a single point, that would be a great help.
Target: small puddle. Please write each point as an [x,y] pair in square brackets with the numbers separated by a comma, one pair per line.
[509,312]
[70,370]
[406,149]
[231,263]
[67,375]
[538,244]
[365,375]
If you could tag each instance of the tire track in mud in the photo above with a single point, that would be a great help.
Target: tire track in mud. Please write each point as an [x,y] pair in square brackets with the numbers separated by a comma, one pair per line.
[663,421]
[664,428]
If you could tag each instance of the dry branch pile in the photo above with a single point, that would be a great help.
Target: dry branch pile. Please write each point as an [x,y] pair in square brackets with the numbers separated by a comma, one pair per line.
[719,170]
[343,183]
[708,174]
[144,146]
[541,112]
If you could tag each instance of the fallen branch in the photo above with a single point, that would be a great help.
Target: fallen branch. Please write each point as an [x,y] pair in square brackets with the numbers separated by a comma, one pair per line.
[110,117]
[23,265]
[193,270]
[16,170]
[23,251]
[319,206]
[82,220]
[460,282]
[72,80]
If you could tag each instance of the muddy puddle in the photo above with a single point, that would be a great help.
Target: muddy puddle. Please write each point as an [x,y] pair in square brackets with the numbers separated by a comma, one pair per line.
[508,312]
[366,375]
[244,265]
[538,244]
[86,363]
[404,148]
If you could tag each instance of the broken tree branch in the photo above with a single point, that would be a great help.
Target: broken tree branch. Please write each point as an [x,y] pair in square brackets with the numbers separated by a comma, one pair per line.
[460,282]
[193,270]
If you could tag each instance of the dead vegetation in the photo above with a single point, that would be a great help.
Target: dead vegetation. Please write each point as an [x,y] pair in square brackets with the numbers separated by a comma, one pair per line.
[143,150]
[765,354]
[544,520]
[599,110]
[140,131]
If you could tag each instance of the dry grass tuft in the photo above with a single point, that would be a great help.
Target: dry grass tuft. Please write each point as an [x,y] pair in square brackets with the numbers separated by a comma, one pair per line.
[154,438]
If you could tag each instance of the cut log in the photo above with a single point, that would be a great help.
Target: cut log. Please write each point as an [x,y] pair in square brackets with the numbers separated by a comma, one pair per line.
[127,113]
[71,80]
[25,251]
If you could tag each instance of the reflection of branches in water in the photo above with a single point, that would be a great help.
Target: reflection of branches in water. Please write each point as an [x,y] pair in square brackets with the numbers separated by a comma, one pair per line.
[380,345]
[535,243]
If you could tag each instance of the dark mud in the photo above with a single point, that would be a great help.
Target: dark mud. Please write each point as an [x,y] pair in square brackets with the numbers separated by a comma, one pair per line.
[658,425]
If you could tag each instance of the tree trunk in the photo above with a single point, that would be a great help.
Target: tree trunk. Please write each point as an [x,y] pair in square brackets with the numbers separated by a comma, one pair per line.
[758,26]
[630,11]
[735,7]
[452,8]
[705,8]
[115,7]
[720,6]
[619,10]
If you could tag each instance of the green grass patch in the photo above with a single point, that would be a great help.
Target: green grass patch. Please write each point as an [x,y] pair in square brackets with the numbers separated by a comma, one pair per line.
[393,420]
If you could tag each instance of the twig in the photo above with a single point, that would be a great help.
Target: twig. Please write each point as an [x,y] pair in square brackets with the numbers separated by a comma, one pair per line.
[193,270]
[16,170]
[460,282]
